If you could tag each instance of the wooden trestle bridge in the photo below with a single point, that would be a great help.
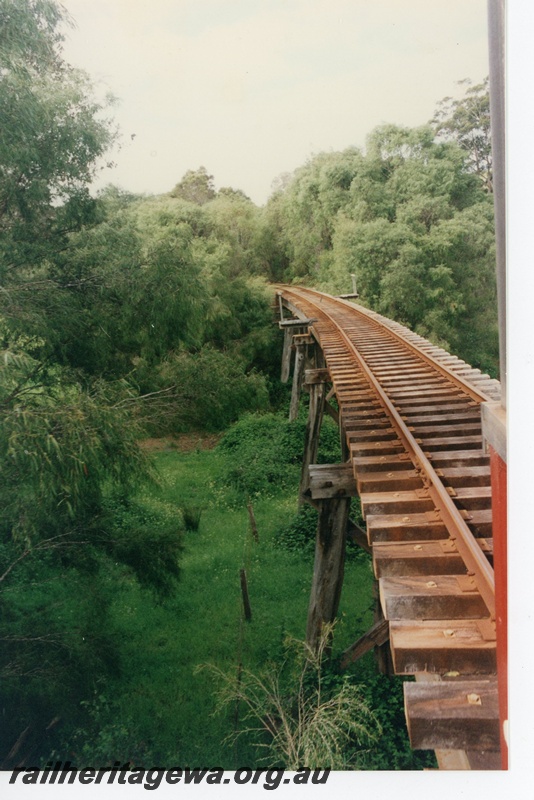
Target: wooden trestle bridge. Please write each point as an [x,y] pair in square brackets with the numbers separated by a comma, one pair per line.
[410,421]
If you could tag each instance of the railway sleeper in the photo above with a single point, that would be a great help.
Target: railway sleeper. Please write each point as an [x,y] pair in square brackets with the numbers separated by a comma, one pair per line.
[406,371]
[445,394]
[453,715]
[404,389]
[387,448]
[412,369]
[441,431]
[394,480]
[345,378]
[362,397]
[423,597]
[373,434]
[381,463]
[466,476]
[424,405]
[396,360]
[353,422]
[430,557]
[408,502]
[459,458]
[447,442]
[472,498]
[414,527]
[364,405]
[443,418]
[464,647]
[401,381]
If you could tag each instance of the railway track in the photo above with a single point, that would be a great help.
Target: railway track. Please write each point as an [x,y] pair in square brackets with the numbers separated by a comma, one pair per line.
[411,416]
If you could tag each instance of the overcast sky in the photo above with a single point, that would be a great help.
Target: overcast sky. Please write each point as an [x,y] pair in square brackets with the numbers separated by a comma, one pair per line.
[251,88]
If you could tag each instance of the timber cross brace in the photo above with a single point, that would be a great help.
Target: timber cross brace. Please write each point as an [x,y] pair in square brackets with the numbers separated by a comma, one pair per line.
[329,488]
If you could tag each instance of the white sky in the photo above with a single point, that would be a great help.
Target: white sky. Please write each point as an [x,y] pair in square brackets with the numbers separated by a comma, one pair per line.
[252,88]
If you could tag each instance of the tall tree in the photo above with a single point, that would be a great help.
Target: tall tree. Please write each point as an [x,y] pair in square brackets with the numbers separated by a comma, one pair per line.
[196,186]
[51,135]
[306,208]
[467,121]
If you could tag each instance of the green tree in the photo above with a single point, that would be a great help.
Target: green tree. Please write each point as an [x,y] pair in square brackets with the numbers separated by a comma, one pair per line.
[305,211]
[233,194]
[70,538]
[206,390]
[237,222]
[467,121]
[410,218]
[196,186]
[51,135]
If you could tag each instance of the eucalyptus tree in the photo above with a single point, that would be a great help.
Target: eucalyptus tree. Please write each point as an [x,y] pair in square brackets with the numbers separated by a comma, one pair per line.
[196,186]
[467,121]
[53,130]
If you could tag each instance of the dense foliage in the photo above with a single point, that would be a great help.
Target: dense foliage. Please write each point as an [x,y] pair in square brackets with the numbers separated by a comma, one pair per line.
[467,121]
[411,220]
[52,131]
[264,453]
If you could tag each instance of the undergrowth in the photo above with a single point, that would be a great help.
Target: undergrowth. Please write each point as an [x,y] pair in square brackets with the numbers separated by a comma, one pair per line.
[159,709]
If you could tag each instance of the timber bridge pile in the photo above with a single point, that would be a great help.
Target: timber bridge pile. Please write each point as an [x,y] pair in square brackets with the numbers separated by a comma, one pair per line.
[410,421]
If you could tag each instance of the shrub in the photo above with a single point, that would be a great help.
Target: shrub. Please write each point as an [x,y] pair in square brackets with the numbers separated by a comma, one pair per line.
[261,451]
[385,695]
[294,715]
[329,442]
[298,534]
[208,391]
[148,542]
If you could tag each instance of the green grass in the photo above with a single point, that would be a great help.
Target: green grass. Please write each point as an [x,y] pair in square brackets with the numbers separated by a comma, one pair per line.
[164,705]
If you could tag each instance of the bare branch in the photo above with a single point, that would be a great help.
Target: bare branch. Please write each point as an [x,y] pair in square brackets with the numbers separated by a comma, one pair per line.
[134,399]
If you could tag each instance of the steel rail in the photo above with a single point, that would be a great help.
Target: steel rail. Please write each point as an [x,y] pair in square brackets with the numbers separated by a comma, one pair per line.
[472,555]
[465,386]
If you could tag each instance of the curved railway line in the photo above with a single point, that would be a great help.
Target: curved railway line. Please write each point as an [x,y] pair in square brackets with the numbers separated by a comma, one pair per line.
[411,416]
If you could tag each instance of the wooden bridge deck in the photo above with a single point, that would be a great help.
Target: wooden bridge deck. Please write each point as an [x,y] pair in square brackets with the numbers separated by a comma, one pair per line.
[410,416]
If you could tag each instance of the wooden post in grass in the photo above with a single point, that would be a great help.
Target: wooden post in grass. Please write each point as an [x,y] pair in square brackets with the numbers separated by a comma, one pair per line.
[328,567]
[253,526]
[244,592]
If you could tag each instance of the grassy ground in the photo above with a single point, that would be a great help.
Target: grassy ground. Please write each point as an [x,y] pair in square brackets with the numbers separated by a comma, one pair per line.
[161,710]
[168,703]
